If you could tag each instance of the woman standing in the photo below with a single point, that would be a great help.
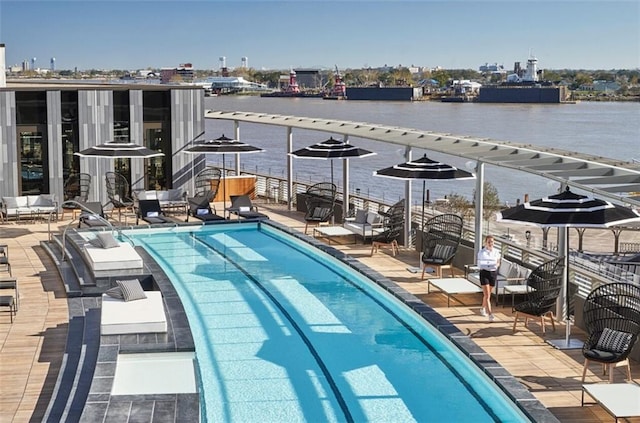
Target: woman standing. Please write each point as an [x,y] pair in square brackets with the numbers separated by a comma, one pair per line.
[488,261]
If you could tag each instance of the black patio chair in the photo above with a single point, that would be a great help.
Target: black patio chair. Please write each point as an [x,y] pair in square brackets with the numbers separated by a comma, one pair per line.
[242,206]
[392,229]
[207,183]
[151,212]
[440,242]
[92,215]
[544,285]
[76,188]
[611,316]
[200,208]
[320,200]
[4,258]
[118,192]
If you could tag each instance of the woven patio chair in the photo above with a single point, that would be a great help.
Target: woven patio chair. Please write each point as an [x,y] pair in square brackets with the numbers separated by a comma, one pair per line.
[320,200]
[440,242]
[118,192]
[544,286]
[76,188]
[207,183]
[392,229]
[611,316]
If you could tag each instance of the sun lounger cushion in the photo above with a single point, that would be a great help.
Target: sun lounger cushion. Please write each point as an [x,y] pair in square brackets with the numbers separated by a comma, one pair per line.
[142,316]
[122,257]
[131,290]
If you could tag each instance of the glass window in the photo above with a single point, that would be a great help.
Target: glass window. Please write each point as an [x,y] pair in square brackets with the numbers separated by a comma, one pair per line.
[70,139]
[33,152]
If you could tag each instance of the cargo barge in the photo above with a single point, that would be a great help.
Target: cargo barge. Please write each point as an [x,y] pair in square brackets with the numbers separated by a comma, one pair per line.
[524,87]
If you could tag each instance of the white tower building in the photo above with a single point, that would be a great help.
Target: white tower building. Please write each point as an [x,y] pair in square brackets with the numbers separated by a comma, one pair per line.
[53,63]
[3,75]
[245,62]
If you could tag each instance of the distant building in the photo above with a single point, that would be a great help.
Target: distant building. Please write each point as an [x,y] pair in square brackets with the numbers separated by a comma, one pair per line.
[231,84]
[492,68]
[309,78]
[183,73]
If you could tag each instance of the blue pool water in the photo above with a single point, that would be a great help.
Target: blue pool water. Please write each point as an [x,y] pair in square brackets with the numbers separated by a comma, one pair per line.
[285,333]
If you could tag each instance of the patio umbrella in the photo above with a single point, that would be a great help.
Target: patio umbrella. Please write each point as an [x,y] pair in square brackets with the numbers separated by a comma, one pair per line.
[329,150]
[568,210]
[222,145]
[118,150]
[424,168]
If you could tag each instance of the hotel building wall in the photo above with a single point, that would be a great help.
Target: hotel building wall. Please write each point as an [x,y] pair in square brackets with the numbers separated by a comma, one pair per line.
[95,122]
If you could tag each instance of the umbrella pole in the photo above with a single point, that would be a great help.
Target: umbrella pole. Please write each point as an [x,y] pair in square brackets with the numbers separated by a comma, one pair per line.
[424,185]
[567,343]
[224,185]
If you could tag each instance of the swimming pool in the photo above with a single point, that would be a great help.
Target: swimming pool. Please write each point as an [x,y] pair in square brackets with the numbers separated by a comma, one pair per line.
[286,333]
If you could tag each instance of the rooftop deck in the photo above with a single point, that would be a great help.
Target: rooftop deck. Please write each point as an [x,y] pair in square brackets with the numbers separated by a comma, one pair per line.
[32,347]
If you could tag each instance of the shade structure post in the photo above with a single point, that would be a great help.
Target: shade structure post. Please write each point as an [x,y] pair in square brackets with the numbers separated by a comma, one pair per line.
[563,211]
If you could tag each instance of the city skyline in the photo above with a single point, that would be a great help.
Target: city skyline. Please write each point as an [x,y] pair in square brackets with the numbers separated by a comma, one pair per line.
[132,35]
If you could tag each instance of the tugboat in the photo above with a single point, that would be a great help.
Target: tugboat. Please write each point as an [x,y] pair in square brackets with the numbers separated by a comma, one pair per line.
[291,90]
[339,90]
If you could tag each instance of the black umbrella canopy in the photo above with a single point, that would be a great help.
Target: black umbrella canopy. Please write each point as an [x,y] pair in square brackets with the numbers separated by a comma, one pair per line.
[424,168]
[331,149]
[569,210]
[222,145]
[119,150]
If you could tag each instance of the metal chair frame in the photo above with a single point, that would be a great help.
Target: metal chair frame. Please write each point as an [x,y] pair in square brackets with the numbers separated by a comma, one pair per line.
[544,286]
[444,230]
[614,306]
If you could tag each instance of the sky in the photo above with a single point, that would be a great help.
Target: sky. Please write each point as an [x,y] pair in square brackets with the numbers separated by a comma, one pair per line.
[274,35]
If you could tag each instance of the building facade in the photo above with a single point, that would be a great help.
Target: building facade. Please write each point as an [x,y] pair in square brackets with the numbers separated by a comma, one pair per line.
[42,125]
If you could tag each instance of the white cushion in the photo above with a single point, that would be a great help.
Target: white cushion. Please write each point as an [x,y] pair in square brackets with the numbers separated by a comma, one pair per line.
[120,258]
[175,194]
[162,195]
[31,200]
[505,268]
[22,201]
[361,216]
[142,316]
[10,202]
[45,200]
[373,218]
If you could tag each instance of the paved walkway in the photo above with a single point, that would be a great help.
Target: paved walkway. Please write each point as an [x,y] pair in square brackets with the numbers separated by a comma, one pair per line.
[32,348]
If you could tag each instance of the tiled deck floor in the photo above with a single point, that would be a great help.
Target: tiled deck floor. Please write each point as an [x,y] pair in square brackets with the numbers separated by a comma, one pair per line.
[31,348]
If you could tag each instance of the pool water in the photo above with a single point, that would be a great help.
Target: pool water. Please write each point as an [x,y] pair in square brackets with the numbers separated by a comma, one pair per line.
[285,333]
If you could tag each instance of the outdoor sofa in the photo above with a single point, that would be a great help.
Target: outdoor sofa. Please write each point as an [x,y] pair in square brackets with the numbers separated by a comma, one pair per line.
[365,224]
[509,274]
[28,206]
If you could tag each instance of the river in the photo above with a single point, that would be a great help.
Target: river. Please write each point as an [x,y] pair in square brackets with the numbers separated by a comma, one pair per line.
[607,129]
